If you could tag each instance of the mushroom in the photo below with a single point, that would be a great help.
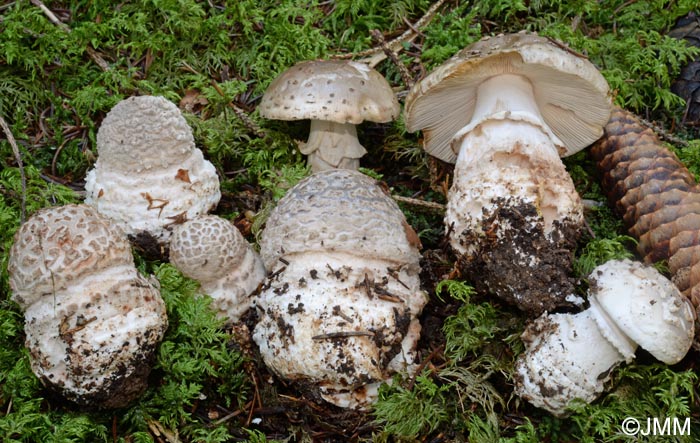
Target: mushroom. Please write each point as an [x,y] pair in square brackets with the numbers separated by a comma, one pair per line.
[339,311]
[571,356]
[92,322]
[505,109]
[212,251]
[336,95]
[149,175]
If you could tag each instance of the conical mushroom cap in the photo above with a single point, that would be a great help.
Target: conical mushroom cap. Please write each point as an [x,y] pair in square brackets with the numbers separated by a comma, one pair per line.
[571,94]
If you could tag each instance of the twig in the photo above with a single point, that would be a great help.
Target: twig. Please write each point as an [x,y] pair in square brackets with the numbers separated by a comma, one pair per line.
[376,55]
[99,61]
[20,166]
[663,134]
[429,206]
[405,75]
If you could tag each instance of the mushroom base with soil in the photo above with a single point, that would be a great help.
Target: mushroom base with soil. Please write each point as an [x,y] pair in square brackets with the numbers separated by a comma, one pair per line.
[339,323]
[513,214]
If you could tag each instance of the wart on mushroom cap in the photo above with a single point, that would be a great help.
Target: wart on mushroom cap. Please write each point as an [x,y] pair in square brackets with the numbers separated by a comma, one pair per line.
[344,290]
[504,109]
[92,322]
[149,175]
[335,95]
[211,250]
[571,356]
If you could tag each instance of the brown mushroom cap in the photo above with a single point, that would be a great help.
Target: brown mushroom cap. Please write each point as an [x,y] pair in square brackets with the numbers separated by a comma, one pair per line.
[58,245]
[570,92]
[332,90]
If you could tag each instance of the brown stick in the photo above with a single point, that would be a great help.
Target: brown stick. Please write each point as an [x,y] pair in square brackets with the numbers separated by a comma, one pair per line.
[396,44]
[405,75]
[20,166]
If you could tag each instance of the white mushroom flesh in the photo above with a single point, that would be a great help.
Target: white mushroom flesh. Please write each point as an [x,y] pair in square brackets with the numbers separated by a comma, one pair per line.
[340,308]
[92,322]
[212,251]
[149,175]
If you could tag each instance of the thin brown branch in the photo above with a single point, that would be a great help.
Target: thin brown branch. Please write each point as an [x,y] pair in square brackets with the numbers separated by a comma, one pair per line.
[376,55]
[97,58]
[421,204]
[403,70]
[241,114]
[20,166]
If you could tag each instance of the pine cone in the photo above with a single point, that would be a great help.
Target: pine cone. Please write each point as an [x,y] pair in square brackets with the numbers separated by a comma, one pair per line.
[657,197]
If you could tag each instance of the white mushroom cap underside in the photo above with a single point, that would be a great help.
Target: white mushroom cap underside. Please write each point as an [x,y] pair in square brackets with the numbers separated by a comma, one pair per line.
[142,133]
[646,306]
[333,90]
[571,94]
[339,211]
[57,246]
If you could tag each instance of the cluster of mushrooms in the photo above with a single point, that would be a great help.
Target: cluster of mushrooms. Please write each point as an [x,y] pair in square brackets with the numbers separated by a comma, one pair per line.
[335,287]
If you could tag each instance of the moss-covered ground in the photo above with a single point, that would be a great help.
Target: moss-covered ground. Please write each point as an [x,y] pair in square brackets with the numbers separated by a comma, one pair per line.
[64,64]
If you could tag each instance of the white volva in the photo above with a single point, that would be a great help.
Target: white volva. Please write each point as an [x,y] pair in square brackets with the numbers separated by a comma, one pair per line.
[92,321]
[149,175]
[340,308]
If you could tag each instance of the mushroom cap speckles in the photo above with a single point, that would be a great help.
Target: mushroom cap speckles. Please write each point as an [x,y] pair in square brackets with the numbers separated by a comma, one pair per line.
[59,245]
[142,133]
[340,211]
[333,90]
[645,306]
[571,94]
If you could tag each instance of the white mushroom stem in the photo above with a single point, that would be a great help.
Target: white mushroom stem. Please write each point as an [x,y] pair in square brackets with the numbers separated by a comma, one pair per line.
[567,357]
[333,146]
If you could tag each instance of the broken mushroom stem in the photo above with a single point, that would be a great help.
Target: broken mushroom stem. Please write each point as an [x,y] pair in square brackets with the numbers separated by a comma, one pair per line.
[571,356]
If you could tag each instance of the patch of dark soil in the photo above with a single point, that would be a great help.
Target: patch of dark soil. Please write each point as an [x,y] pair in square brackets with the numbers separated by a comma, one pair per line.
[519,263]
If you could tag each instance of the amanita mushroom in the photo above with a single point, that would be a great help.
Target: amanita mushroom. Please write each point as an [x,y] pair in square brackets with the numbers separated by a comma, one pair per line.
[212,251]
[505,109]
[571,356]
[339,310]
[149,176]
[92,321]
[335,95]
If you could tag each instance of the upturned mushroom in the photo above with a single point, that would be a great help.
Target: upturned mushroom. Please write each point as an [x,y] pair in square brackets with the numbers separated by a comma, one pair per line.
[212,251]
[335,95]
[340,309]
[571,356]
[504,110]
[92,322]
[149,176]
